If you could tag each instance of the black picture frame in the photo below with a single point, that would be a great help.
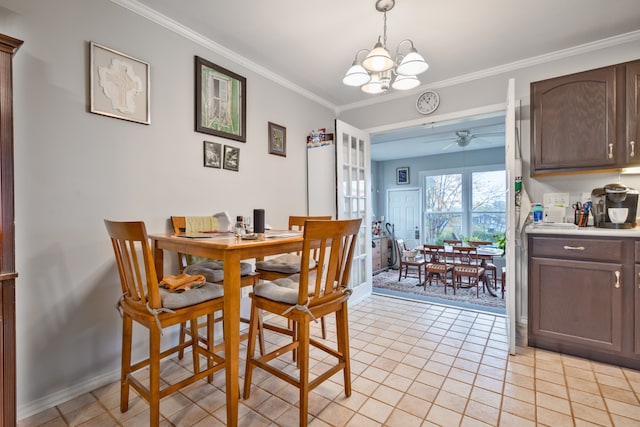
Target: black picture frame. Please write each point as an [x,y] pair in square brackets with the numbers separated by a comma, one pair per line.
[212,154]
[221,101]
[402,175]
[231,160]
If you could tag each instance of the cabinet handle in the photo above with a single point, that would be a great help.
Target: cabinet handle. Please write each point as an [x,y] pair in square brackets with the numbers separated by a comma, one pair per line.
[617,285]
[610,150]
[638,281]
[573,248]
[633,148]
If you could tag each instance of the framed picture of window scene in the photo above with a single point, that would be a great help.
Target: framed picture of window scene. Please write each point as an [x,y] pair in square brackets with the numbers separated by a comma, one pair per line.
[221,101]
[277,140]
[402,175]
[212,154]
[119,85]
[231,159]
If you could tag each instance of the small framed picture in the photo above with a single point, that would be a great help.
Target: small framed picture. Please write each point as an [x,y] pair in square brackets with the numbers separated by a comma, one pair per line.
[277,140]
[212,152]
[119,85]
[402,175]
[231,159]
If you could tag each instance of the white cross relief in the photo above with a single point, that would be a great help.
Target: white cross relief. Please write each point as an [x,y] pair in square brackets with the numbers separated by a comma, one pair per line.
[121,85]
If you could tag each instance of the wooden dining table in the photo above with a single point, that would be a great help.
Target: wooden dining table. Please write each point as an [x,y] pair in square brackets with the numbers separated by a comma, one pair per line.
[231,250]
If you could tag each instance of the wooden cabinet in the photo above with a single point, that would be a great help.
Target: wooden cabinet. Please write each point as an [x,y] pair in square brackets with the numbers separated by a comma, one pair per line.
[380,254]
[8,46]
[579,121]
[581,297]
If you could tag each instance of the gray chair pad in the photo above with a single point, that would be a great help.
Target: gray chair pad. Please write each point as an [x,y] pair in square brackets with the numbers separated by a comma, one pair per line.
[175,300]
[213,270]
[286,264]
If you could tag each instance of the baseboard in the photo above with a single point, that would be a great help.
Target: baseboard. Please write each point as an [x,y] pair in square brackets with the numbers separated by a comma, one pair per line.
[64,395]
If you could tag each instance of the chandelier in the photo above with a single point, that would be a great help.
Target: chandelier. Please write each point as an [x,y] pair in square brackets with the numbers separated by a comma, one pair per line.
[375,73]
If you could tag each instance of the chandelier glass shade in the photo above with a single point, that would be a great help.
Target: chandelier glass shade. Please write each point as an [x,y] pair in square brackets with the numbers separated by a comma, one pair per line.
[378,71]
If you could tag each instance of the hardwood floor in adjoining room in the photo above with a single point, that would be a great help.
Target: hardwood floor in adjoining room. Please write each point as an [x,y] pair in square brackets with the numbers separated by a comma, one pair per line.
[413,364]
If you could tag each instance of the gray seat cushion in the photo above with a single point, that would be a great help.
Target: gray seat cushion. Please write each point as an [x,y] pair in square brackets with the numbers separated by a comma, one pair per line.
[213,270]
[285,289]
[206,292]
[286,264]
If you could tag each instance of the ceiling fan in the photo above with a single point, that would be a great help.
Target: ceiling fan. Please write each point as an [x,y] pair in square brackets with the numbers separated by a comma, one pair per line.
[464,137]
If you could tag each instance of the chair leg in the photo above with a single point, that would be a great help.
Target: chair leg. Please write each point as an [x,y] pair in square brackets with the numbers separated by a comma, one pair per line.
[251,349]
[303,362]
[181,339]
[211,342]
[193,324]
[323,326]
[154,375]
[260,333]
[125,369]
[342,327]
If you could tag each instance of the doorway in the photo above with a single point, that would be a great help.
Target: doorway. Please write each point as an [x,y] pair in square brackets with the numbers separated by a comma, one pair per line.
[398,147]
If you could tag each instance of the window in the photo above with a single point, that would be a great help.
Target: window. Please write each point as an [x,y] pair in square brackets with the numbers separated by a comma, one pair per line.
[468,204]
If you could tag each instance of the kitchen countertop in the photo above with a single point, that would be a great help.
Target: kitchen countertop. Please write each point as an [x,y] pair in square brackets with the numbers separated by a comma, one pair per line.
[566,229]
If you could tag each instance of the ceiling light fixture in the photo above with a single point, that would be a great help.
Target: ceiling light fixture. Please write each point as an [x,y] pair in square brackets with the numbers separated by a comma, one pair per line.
[375,72]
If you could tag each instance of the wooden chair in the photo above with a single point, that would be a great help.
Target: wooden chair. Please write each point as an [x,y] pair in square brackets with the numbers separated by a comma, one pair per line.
[436,264]
[288,264]
[303,300]
[406,264]
[154,308]
[488,265]
[467,265]
[179,224]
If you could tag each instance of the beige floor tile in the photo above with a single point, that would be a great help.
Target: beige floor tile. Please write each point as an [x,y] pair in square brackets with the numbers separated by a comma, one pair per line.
[376,410]
[414,405]
[551,418]
[590,414]
[623,409]
[336,415]
[359,420]
[443,416]
[519,407]
[482,412]
[620,421]
[402,419]
[511,420]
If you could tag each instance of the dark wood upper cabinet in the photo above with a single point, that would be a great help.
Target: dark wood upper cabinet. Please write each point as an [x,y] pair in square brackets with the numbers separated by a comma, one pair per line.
[579,122]
[8,46]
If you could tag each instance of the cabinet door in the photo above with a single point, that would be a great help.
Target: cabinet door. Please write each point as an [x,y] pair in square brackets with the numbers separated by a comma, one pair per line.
[574,122]
[636,305]
[576,302]
[633,112]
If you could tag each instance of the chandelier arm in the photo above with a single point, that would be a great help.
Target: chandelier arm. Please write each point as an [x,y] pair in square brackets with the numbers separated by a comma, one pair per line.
[355,59]
[400,44]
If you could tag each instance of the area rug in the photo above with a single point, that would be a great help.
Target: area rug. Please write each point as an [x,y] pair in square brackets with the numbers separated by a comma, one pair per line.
[387,283]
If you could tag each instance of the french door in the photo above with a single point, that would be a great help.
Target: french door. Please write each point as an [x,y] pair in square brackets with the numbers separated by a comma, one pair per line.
[353,172]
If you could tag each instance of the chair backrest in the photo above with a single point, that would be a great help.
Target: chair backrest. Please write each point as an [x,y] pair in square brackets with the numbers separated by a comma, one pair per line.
[466,255]
[400,248]
[179,224]
[434,253]
[296,222]
[477,243]
[335,241]
[135,263]
[451,242]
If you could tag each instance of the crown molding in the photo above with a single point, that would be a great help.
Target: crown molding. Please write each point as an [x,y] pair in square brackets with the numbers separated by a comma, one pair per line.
[166,22]
[510,67]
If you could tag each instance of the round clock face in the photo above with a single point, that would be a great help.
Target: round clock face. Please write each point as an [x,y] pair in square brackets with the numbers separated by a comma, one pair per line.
[427,102]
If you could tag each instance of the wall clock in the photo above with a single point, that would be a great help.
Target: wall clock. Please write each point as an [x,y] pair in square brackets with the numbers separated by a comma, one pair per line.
[427,102]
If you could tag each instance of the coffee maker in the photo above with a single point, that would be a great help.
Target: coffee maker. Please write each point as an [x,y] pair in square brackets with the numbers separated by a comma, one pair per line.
[614,206]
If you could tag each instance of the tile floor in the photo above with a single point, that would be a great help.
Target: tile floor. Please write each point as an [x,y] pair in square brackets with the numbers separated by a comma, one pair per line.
[414,364]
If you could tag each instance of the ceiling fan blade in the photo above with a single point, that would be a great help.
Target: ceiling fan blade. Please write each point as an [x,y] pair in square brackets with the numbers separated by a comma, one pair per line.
[448,145]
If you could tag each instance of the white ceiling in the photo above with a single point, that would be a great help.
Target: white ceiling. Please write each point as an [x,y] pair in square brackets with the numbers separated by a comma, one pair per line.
[309,45]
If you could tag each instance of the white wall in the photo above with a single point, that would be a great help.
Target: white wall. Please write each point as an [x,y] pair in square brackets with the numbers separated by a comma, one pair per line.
[73,169]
